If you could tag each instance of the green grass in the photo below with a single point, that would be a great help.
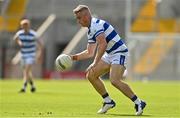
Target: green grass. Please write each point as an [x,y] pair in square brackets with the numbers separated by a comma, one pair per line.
[58,98]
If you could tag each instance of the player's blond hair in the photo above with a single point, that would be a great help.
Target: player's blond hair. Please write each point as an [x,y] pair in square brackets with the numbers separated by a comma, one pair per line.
[24,21]
[80,8]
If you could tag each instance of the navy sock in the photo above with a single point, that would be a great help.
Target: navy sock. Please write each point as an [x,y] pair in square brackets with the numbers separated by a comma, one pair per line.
[106,98]
[105,95]
[31,83]
[25,85]
[134,98]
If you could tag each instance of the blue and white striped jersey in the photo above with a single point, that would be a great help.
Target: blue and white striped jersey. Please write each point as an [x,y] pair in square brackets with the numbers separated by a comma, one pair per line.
[114,41]
[28,49]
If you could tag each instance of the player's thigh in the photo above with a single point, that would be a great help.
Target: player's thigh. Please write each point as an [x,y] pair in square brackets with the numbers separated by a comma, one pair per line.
[27,68]
[100,69]
[116,71]
[118,65]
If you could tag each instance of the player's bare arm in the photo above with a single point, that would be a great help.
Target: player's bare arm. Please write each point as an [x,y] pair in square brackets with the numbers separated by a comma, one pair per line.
[18,41]
[40,46]
[40,49]
[88,53]
[102,44]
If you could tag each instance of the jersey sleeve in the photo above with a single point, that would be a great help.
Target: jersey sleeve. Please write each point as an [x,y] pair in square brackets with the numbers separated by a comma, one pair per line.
[95,31]
[17,35]
[35,34]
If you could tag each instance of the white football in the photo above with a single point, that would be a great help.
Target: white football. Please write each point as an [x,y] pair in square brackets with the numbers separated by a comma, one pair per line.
[63,62]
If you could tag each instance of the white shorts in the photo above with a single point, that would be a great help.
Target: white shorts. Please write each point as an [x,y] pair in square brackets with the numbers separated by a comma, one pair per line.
[28,61]
[117,58]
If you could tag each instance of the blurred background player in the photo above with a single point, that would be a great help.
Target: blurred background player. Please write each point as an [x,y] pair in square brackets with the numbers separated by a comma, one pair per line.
[26,38]
[111,55]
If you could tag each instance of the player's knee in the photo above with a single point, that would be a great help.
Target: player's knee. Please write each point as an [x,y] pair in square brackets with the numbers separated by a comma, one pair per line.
[90,75]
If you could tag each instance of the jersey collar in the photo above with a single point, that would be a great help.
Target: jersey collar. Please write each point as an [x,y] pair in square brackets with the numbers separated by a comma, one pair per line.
[89,27]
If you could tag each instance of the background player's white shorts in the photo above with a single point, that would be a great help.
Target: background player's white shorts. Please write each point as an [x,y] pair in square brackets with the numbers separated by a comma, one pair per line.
[28,61]
[118,58]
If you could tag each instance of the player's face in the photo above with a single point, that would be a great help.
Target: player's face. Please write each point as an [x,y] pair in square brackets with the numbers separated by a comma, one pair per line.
[82,19]
[26,26]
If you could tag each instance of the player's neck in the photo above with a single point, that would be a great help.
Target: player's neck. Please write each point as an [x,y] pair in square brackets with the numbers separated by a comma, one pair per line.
[26,31]
[90,22]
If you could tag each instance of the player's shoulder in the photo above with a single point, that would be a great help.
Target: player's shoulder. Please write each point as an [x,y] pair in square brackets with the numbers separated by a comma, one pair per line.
[96,25]
[97,22]
[20,32]
[33,32]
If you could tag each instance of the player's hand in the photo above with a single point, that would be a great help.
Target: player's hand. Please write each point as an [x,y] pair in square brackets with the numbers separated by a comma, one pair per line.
[74,57]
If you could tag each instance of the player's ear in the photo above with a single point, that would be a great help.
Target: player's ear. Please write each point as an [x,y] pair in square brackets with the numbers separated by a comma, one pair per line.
[87,17]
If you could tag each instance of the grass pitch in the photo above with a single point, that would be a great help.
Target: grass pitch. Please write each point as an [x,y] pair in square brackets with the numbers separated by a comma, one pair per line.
[77,98]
